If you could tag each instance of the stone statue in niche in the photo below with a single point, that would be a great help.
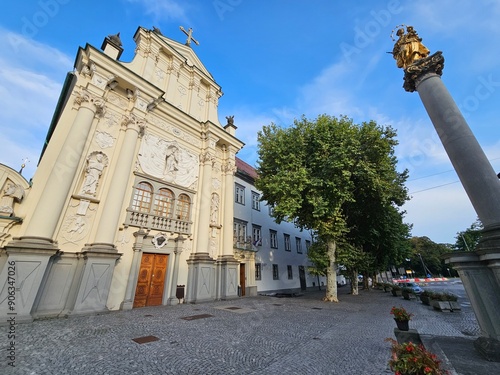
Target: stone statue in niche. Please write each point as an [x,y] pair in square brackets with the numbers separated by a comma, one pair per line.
[11,192]
[214,209]
[96,162]
[168,161]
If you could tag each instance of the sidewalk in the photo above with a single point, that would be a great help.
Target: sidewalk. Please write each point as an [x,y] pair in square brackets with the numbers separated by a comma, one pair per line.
[254,335]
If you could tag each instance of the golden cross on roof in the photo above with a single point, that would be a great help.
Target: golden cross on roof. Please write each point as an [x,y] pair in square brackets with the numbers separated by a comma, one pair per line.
[190,38]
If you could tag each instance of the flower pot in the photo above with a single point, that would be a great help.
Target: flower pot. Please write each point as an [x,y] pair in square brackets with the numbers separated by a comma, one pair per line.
[425,300]
[403,325]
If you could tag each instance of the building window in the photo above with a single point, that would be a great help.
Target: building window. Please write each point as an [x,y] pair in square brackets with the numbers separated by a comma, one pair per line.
[239,232]
[273,239]
[142,197]
[288,246]
[276,274]
[308,245]
[271,210]
[183,206]
[163,203]
[239,193]
[256,235]
[258,271]
[298,244]
[255,201]
[290,272]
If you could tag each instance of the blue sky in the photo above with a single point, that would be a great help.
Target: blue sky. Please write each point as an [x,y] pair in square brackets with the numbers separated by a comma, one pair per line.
[277,60]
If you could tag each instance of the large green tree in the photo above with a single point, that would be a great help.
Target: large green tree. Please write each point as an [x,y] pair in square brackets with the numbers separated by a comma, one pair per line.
[311,171]
[468,239]
[426,256]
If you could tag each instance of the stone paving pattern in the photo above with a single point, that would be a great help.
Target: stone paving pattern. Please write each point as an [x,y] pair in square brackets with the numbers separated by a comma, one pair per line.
[258,335]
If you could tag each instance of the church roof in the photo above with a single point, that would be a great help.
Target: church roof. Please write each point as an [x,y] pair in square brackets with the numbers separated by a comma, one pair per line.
[246,169]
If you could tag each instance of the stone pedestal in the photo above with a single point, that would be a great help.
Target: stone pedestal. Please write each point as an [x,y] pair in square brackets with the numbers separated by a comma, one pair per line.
[407,336]
[228,268]
[90,289]
[201,278]
[22,274]
[479,274]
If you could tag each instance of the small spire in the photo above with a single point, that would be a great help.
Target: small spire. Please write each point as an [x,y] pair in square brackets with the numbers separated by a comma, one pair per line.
[23,165]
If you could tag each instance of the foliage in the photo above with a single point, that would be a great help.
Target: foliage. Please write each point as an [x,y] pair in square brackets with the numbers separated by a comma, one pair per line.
[427,293]
[400,313]
[407,290]
[445,296]
[395,287]
[318,258]
[334,177]
[425,250]
[468,239]
[408,358]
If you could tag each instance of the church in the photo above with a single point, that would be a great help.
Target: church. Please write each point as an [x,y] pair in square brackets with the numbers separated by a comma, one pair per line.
[132,203]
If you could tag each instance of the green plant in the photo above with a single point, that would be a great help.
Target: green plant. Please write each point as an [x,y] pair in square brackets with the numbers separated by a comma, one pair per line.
[408,358]
[407,290]
[446,296]
[400,313]
[395,287]
[427,293]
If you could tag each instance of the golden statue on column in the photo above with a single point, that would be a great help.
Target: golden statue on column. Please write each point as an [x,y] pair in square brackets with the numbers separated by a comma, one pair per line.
[408,48]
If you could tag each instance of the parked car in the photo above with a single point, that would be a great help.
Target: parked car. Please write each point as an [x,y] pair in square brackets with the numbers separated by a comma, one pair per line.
[415,287]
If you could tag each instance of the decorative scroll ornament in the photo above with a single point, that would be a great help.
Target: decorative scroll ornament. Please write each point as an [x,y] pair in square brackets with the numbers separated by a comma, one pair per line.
[431,64]
[86,97]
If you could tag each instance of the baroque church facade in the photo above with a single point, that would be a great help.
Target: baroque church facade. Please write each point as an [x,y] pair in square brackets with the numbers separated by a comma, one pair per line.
[132,203]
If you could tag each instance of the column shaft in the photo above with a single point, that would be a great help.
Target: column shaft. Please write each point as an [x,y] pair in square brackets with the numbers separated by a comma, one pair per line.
[48,210]
[118,187]
[473,168]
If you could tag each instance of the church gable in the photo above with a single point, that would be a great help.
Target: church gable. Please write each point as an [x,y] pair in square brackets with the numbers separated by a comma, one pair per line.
[174,68]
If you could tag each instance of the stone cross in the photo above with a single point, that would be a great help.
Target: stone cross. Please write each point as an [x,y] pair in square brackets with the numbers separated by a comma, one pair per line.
[190,38]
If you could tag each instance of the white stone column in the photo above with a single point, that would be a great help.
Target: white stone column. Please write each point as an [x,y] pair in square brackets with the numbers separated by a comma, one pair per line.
[228,266]
[173,300]
[128,302]
[201,285]
[203,241]
[113,203]
[45,217]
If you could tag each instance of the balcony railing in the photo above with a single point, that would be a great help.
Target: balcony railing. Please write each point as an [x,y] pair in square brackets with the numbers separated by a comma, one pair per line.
[161,223]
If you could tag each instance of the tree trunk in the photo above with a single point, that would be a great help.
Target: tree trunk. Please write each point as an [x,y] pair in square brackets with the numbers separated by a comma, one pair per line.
[331,274]
[354,283]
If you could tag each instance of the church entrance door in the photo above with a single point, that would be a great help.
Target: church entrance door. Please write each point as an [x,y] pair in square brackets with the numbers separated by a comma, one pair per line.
[151,280]
[242,279]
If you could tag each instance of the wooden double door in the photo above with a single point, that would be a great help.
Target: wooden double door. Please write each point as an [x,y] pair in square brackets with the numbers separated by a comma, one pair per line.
[151,280]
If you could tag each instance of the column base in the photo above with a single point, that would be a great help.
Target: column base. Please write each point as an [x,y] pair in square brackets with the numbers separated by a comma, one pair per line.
[201,278]
[90,289]
[23,274]
[228,268]
[488,348]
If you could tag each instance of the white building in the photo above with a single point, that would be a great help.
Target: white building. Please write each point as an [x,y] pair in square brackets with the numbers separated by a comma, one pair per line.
[273,256]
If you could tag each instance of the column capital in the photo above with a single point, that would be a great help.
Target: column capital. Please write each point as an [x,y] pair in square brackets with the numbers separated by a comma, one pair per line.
[91,101]
[229,168]
[432,64]
[131,121]
[207,157]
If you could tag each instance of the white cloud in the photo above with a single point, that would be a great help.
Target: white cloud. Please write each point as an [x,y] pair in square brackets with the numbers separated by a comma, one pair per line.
[30,83]
[163,9]
[440,213]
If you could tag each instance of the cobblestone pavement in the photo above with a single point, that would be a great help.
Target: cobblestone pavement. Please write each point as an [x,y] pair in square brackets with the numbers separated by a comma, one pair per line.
[251,335]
